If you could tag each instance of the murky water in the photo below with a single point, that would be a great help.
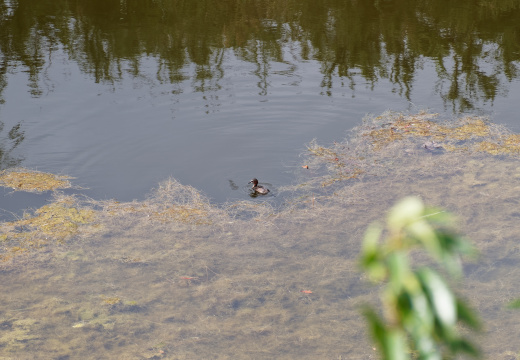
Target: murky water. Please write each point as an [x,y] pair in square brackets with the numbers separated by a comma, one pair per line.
[122,96]
[176,277]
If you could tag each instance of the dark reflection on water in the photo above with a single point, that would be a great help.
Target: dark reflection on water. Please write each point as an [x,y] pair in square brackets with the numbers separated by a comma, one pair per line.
[376,40]
[123,94]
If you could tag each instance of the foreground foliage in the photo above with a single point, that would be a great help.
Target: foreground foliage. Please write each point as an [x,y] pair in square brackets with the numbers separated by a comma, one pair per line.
[420,312]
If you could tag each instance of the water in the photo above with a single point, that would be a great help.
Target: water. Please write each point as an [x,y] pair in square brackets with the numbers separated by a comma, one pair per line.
[144,281]
[122,96]
[123,110]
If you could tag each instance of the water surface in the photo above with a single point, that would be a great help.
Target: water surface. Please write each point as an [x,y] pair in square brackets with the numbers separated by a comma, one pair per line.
[124,95]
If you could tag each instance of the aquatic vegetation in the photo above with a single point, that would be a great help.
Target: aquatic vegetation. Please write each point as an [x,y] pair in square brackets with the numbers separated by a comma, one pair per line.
[171,201]
[21,331]
[339,160]
[383,137]
[509,144]
[257,278]
[20,179]
[382,141]
[113,300]
[191,215]
[55,222]
[469,133]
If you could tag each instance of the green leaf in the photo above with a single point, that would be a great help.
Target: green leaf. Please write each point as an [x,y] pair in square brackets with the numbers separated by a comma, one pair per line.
[398,269]
[422,310]
[463,345]
[371,256]
[391,342]
[405,212]
[418,318]
[395,348]
[440,296]
[426,347]
[422,232]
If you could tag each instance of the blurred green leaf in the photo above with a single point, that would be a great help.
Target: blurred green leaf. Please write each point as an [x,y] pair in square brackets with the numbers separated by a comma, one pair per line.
[441,298]
[419,305]
[424,234]
[395,348]
[391,343]
[419,318]
[405,212]
[465,346]
[371,259]
[398,270]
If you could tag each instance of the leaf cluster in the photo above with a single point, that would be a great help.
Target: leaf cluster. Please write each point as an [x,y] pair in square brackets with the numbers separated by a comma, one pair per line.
[420,312]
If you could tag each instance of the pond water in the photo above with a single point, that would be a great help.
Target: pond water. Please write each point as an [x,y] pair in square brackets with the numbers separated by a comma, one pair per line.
[124,96]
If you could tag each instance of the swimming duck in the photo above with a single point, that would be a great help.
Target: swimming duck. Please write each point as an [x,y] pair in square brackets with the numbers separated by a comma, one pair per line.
[258,189]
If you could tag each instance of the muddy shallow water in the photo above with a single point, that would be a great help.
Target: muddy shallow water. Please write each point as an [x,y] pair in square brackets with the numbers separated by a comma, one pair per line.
[176,277]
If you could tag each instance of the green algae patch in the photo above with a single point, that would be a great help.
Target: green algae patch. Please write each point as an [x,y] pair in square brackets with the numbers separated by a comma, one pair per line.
[56,222]
[33,181]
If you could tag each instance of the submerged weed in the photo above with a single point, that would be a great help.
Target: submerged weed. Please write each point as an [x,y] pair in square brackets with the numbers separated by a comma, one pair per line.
[243,284]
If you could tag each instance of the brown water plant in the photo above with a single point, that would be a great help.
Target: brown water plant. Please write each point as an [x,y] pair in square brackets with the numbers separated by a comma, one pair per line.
[56,222]
[20,179]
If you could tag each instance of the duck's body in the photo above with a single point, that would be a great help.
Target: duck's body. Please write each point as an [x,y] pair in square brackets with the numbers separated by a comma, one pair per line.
[258,189]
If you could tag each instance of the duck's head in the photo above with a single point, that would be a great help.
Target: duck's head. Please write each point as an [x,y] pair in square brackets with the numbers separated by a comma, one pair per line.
[254,182]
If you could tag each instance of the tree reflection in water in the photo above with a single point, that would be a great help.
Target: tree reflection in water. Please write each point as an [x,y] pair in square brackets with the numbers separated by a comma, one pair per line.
[474,46]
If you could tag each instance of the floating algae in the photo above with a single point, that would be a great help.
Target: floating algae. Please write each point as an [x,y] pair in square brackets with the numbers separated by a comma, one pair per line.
[383,139]
[470,133]
[507,144]
[113,300]
[56,222]
[171,202]
[33,181]
[338,160]
[66,217]
[191,215]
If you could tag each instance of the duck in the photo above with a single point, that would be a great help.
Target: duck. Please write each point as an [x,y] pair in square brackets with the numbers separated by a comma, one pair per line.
[258,189]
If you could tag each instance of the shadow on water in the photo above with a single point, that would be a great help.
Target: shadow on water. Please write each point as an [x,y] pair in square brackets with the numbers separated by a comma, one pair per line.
[174,276]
